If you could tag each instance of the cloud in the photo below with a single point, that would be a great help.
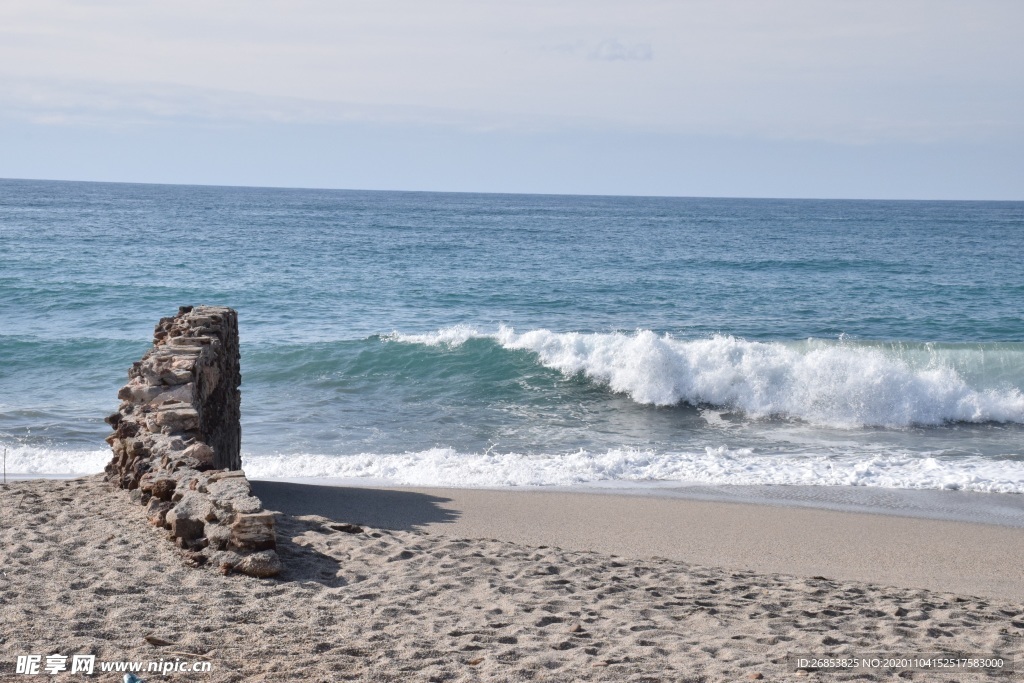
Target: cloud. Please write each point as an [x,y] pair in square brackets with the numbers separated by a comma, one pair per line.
[611,50]
[855,72]
[80,102]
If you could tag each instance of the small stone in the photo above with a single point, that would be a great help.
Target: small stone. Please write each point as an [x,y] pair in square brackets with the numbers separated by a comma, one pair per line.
[248,505]
[233,493]
[801,672]
[181,393]
[168,376]
[190,515]
[474,662]
[226,474]
[261,565]
[201,452]
[254,531]
[755,676]
[195,559]
[346,528]
[900,612]
[218,536]
[157,641]
[163,488]
[225,568]
[575,628]
[176,419]
[156,512]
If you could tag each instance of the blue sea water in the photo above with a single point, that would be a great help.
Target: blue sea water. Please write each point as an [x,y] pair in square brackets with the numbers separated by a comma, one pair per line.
[498,340]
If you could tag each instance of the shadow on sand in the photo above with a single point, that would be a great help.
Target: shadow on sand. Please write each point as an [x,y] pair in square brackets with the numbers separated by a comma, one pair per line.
[380,508]
[377,508]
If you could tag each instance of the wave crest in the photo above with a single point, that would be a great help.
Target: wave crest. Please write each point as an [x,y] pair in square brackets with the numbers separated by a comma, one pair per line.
[832,383]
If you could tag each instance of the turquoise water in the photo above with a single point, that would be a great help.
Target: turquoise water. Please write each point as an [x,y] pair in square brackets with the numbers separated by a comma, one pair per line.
[492,340]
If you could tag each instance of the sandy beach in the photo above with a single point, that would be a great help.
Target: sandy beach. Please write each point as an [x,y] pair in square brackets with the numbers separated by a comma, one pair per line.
[467,585]
[972,559]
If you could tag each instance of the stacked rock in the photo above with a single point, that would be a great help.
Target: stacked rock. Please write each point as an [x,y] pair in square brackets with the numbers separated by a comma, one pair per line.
[177,441]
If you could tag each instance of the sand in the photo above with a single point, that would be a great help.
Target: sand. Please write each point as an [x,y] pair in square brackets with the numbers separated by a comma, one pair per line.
[470,586]
[972,559]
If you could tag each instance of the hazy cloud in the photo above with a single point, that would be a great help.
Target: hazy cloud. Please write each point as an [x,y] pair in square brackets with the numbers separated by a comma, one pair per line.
[612,50]
[849,71]
[92,103]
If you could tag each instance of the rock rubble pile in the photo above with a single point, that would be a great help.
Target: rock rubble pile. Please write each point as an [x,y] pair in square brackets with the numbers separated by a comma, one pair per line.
[177,444]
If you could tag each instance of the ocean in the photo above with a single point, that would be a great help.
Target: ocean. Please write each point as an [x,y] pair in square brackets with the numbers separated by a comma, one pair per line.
[489,340]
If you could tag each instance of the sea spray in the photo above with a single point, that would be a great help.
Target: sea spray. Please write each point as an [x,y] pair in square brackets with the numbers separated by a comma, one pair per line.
[721,465]
[623,467]
[828,383]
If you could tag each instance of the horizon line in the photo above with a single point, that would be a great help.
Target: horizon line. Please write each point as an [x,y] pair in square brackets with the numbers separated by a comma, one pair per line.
[498,192]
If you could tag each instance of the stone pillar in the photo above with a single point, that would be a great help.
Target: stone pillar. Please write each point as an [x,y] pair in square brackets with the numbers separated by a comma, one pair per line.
[177,443]
[203,341]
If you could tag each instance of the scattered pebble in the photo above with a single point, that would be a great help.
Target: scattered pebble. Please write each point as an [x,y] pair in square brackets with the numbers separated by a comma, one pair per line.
[157,641]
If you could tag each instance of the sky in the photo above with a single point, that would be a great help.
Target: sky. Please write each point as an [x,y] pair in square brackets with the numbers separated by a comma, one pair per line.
[915,99]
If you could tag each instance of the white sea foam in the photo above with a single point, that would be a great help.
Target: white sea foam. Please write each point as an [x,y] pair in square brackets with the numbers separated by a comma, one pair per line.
[447,467]
[836,384]
[456,335]
[721,465]
[34,461]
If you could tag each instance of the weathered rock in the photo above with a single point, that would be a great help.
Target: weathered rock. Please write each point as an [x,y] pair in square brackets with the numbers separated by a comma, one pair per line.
[253,532]
[157,485]
[173,418]
[227,474]
[261,565]
[189,516]
[218,536]
[234,494]
[183,527]
[225,557]
[195,559]
[246,505]
[229,487]
[135,448]
[199,506]
[156,511]
[202,454]
[176,443]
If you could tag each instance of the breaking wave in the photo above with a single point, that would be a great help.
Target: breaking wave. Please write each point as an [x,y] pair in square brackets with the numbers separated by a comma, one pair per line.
[836,383]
